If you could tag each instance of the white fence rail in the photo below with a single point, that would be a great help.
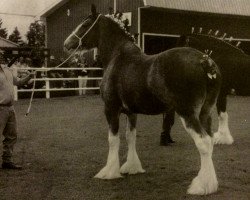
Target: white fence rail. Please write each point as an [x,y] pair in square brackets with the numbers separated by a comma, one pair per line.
[47,89]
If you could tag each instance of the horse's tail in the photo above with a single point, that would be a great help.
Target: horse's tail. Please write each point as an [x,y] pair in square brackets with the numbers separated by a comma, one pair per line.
[209,66]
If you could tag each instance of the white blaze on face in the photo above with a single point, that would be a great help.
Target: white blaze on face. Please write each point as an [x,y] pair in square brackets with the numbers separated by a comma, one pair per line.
[73,38]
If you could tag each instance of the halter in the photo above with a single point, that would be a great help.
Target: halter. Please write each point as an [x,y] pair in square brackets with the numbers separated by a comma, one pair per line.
[80,38]
[79,44]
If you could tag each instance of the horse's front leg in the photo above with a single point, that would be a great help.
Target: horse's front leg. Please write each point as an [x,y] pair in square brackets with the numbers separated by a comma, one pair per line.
[223,135]
[112,168]
[133,163]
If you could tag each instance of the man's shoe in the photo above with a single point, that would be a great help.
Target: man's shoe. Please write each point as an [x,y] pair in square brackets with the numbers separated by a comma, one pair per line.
[11,165]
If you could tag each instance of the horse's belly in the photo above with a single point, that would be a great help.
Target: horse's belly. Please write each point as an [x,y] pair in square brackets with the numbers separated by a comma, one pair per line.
[148,106]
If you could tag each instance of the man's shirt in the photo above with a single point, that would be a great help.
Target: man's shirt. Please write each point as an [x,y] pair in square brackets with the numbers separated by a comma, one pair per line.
[7,82]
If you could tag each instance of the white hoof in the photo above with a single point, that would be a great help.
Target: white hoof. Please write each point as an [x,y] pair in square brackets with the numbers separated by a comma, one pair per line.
[108,172]
[223,138]
[199,187]
[131,168]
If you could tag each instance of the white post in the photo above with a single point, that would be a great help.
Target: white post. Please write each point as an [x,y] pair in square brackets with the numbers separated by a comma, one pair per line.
[115,6]
[139,28]
[47,88]
[15,87]
[95,52]
[15,93]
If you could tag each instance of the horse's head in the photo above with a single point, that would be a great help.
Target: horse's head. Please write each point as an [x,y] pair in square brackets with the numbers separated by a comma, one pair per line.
[85,34]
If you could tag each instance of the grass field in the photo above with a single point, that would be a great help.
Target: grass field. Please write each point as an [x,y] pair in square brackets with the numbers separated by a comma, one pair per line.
[63,143]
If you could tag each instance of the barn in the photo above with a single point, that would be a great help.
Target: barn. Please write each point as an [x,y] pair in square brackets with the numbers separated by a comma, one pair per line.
[7,43]
[159,23]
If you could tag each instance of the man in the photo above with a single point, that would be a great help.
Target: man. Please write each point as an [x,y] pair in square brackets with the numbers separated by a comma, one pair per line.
[77,63]
[8,126]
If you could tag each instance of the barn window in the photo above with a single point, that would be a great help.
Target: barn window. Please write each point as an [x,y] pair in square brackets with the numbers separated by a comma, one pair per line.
[156,43]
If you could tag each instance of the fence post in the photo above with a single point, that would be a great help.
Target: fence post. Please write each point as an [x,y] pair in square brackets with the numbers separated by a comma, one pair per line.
[15,87]
[15,93]
[47,88]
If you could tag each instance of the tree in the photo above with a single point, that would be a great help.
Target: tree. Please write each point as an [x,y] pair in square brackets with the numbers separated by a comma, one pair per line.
[36,34]
[3,31]
[15,36]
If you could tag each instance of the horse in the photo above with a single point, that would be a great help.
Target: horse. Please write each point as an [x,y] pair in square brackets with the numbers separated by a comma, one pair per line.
[134,83]
[234,65]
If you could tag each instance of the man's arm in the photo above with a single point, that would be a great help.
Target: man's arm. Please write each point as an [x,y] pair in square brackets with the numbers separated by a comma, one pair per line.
[24,80]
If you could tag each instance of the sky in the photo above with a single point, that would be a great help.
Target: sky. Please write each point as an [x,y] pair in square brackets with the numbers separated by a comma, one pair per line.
[25,11]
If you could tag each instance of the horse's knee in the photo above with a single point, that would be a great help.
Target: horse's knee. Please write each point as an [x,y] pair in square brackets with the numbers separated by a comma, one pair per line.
[112,116]
[132,120]
[206,122]
[204,144]
[114,140]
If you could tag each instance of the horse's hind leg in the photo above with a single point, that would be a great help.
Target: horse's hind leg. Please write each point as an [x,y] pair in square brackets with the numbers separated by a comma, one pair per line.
[112,168]
[133,164]
[223,135]
[206,181]
[168,122]
[205,112]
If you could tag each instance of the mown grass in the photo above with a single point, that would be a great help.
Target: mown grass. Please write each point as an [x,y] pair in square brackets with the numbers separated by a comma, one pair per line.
[63,143]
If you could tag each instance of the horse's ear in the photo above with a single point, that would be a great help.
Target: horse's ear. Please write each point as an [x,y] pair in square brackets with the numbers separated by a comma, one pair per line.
[93,10]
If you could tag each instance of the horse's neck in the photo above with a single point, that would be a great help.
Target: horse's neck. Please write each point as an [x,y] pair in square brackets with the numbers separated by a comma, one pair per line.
[110,49]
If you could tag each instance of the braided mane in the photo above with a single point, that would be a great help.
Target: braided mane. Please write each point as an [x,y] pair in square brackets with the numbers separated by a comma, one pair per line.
[122,26]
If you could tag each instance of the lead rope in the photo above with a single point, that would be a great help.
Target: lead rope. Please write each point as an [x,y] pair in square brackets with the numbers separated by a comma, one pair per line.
[34,84]
[79,45]
[32,94]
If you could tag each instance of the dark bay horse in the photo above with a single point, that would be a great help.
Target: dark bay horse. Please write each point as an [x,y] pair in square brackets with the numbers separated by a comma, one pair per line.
[136,83]
[234,65]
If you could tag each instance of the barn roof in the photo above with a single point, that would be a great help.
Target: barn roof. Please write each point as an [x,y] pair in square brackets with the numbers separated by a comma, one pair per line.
[230,7]
[49,10]
[7,43]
